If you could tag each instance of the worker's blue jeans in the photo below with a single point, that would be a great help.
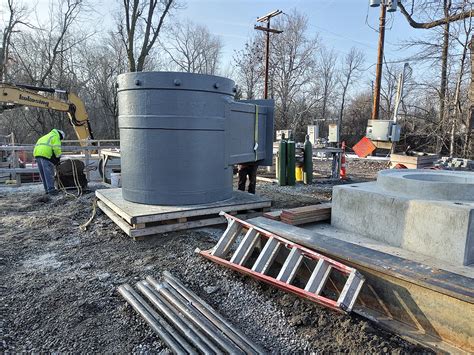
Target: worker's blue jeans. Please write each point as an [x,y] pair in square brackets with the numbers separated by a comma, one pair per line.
[46,170]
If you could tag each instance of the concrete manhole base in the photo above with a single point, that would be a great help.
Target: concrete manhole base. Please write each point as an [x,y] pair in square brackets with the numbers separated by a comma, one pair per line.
[425,211]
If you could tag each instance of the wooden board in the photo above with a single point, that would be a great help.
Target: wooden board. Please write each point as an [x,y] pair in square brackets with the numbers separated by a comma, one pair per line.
[284,214]
[306,214]
[142,230]
[275,215]
[296,222]
[413,162]
[174,218]
[382,144]
[135,213]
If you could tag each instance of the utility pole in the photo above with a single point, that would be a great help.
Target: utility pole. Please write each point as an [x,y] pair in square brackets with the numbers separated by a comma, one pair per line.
[378,73]
[390,6]
[470,119]
[267,30]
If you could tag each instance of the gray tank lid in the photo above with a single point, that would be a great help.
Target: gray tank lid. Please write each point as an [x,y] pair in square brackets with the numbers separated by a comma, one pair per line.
[175,80]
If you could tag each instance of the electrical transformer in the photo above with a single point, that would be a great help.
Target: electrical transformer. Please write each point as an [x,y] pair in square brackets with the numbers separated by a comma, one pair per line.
[383,130]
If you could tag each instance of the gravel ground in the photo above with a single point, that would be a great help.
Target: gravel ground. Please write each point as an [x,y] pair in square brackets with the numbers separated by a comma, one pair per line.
[59,284]
[321,190]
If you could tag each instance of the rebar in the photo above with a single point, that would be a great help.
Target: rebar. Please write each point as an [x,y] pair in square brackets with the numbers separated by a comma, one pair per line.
[192,333]
[173,341]
[233,333]
[199,319]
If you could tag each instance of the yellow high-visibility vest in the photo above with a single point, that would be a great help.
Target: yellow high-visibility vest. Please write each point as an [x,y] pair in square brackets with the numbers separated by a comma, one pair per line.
[48,144]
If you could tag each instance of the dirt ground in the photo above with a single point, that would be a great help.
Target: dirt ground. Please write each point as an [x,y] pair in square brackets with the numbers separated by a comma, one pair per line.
[59,283]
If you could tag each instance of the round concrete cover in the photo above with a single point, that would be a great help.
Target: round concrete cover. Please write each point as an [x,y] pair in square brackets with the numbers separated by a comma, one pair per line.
[429,184]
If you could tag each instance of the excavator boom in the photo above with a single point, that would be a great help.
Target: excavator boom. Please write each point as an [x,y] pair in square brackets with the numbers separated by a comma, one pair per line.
[12,96]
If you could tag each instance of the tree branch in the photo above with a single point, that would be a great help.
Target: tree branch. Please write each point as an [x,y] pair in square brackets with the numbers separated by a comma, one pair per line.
[427,25]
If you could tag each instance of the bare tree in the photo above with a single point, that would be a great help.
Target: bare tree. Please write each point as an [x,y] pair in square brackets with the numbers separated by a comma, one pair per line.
[357,111]
[468,148]
[102,63]
[467,27]
[249,64]
[389,90]
[67,13]
[292,69]
[193,49]
[448,12]
[327,72]
[17,13]
[461,14]
[44,56]
[350,71]
[141,21]
[38,52]
[433,15]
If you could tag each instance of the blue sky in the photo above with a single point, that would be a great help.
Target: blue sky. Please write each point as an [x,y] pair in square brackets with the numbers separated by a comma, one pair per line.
[341,24]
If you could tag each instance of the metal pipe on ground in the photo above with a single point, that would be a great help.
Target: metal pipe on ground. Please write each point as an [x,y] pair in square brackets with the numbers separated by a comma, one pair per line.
[173,341]
[196,337]
[192,314]
[233,333]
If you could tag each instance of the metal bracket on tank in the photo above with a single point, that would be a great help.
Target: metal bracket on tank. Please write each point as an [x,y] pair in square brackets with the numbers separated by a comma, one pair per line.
[250,131]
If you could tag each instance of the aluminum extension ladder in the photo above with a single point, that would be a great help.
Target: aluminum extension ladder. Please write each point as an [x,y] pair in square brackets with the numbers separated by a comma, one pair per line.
[239,241]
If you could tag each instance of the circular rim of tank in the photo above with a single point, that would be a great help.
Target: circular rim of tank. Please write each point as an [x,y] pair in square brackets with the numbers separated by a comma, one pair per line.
[168,80]
[428,184]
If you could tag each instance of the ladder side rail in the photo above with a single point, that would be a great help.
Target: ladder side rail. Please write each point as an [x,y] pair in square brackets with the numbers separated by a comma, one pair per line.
[272,281]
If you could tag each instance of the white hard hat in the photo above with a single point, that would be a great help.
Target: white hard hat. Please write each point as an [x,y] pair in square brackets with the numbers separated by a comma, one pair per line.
[62,134]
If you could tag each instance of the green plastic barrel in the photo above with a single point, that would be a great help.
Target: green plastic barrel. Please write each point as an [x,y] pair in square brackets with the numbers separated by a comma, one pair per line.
[282,150]
[308,161]
[291,162]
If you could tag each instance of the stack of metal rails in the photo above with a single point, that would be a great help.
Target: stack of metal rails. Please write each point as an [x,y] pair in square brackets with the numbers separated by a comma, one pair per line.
[183,321]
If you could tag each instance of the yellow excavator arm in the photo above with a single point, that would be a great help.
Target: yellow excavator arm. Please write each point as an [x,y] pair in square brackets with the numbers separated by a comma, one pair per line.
[12,96]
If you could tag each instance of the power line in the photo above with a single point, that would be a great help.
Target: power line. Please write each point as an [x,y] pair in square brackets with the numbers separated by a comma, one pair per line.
[345,37]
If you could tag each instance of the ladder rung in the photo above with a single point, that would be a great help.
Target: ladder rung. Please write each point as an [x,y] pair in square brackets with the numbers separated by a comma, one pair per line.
[350,291]
[267,255]
[245,247]
[292,262]
[227,239]
[318,277]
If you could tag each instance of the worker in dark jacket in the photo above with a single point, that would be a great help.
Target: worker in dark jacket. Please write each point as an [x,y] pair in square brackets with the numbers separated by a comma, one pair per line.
[250,170]
[47,153]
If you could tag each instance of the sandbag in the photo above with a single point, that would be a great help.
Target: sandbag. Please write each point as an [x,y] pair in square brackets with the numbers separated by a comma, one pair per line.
[68,172]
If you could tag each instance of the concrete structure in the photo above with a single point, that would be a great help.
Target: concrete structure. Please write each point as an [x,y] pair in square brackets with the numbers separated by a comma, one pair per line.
[180,134]
[424,211]
[417,297]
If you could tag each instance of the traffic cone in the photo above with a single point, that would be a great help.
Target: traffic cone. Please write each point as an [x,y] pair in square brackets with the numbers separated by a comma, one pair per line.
[342,172]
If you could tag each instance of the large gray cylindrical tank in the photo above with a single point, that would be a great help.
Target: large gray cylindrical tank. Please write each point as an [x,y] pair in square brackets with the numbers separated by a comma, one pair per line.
[172,137]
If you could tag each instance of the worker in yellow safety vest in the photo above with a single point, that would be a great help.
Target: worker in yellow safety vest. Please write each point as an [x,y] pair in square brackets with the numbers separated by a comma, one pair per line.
[47,153]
